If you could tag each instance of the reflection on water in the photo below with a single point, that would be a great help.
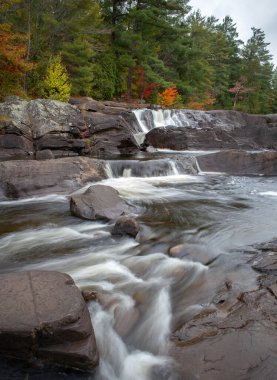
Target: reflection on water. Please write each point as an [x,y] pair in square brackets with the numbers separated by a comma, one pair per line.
[143,293]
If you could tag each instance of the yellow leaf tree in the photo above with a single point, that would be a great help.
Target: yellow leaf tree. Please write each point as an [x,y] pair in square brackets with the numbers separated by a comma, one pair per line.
[56,84]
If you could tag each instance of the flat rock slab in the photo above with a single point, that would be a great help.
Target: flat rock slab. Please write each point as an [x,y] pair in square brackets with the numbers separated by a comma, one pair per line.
[20,179]
[234,336]
[238,162]
[98,202]
[44,316]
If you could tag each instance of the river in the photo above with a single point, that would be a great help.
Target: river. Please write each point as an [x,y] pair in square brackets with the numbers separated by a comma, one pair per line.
[144,292]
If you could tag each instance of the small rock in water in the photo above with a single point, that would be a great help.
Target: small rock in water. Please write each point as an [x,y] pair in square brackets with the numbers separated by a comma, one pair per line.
[193,252]
[126,225]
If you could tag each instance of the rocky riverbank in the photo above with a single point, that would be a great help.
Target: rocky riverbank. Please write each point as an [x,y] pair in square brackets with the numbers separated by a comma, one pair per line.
[234,336]
[48,147]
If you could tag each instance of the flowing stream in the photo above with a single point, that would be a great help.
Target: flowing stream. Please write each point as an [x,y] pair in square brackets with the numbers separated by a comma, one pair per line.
[144,293]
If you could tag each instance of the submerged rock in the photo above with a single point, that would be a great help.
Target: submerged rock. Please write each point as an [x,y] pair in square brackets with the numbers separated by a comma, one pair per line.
[43,316]
[193,252]
[98,202]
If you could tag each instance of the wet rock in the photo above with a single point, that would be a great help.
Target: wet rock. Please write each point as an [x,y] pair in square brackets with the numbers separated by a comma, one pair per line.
[45,154]
[126,225]
[43,316]
[89,295]
[239,162]
[28,178]
[167,138]
[213,130]
[98,202]
[233,336]
[169,372]
[125,320]
[193,252]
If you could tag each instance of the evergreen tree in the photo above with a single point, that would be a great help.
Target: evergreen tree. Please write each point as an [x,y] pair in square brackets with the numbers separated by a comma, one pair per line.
[257,71]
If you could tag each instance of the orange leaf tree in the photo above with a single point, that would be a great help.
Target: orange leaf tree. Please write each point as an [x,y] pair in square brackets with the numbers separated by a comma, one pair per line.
[13,64]
[168,97]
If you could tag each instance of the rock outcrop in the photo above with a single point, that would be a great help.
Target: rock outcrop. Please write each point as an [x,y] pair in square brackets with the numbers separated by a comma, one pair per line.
[44,317]
[234,336]
[98,202]
[215,130]
[240,162]
[27,178]
[87,128]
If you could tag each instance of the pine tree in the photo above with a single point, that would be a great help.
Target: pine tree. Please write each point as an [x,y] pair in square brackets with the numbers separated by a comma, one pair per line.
[257,71]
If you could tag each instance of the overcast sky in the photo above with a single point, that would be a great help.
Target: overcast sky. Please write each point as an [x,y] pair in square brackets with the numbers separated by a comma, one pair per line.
[245,13]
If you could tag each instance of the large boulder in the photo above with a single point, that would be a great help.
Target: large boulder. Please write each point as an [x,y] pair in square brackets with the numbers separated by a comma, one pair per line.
[43,316]
[27,178]
[98,202]
[237,162]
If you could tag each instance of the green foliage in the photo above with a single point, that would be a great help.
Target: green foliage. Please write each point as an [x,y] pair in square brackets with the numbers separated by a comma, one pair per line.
[56,85]
[105,44]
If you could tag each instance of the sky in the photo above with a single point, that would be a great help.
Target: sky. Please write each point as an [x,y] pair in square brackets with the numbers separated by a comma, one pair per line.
[245,13]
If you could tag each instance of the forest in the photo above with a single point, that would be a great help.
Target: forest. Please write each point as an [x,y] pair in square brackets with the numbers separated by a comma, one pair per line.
[148,51]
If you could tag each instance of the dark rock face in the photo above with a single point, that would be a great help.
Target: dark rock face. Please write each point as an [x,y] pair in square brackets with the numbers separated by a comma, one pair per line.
[167,138]
[110,135]
[240,163]
[43,316]
[98,202]
[27,178]
[234,336]
[126,225]
[46,154]
[11,145]
[215,130]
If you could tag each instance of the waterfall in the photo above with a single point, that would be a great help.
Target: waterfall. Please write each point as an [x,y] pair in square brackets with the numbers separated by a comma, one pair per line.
[142,169]
[149,119]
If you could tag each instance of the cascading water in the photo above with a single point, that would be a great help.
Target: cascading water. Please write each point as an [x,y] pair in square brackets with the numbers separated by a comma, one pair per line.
[143,294]
[149,119]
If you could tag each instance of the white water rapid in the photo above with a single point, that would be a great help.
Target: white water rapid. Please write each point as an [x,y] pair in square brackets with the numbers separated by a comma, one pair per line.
[143,292]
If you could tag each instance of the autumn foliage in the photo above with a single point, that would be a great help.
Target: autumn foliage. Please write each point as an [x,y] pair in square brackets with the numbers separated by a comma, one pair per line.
[12,60]
[201,103]
[168,97]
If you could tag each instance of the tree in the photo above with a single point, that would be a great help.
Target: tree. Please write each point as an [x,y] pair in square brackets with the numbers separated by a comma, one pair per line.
[12,61]
[56,83]
[257,70]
